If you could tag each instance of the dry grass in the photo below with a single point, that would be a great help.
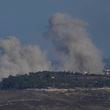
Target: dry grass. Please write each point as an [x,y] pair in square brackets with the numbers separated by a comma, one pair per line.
[78,99]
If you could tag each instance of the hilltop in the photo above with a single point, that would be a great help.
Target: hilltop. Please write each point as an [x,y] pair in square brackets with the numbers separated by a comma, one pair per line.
[49,79]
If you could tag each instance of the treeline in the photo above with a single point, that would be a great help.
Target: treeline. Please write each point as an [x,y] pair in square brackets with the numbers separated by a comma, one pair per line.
[47,79]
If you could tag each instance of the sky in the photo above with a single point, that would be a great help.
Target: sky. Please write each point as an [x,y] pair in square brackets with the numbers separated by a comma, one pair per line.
[28,19]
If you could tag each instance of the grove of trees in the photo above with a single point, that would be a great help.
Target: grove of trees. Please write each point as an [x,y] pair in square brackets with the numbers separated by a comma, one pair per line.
[46,79]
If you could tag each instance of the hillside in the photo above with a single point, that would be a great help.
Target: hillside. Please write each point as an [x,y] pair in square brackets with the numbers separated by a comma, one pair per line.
[47,79]
[76,99]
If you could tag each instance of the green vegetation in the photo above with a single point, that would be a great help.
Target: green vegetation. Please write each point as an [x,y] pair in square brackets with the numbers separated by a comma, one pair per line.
[48,79]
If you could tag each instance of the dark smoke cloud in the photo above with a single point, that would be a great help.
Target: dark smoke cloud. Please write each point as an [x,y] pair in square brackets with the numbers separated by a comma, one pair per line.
[75,49]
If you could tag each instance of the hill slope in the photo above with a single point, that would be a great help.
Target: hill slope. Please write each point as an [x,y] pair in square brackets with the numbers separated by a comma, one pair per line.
[48,79]
[76,99]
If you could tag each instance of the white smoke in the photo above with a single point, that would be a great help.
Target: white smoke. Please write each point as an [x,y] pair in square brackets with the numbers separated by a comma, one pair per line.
[76,51]
[74,48]
[17,58]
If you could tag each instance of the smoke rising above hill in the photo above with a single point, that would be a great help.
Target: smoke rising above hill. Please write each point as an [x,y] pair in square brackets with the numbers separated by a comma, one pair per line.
[17,58]
[75,49]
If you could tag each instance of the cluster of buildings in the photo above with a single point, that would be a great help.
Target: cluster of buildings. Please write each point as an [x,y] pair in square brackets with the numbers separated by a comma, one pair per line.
[106,71]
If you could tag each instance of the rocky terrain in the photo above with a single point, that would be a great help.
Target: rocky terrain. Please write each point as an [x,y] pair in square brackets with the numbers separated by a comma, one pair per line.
[55,99]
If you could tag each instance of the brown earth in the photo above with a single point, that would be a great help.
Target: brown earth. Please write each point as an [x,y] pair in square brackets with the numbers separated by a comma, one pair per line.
[77,99]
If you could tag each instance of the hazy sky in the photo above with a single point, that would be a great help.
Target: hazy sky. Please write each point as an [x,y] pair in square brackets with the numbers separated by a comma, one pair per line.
[28,19]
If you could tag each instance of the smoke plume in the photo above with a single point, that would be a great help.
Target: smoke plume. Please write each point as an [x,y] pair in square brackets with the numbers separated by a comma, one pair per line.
[75,49]
[17,58]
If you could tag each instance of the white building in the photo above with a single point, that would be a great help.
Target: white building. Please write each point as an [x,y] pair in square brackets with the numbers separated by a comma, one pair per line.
[107,71]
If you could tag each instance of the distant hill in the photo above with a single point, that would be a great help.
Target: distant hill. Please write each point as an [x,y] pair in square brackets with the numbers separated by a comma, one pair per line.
[47,79]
